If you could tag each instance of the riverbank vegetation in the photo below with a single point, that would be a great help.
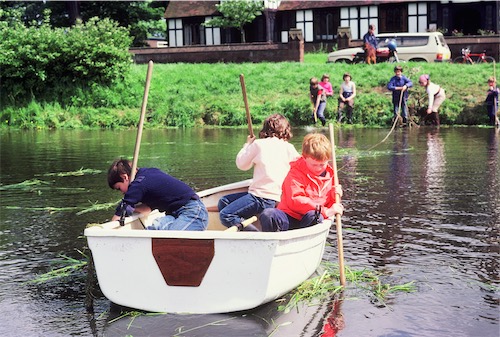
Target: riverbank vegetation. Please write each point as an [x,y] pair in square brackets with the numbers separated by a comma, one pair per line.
[82,76]
[187,95]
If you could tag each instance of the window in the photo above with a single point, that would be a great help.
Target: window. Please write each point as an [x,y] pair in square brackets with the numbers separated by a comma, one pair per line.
[305,22]
[175,33]
[405,41]
[358,18]
[488,20]
[417,17]
[325,26]
[212,33]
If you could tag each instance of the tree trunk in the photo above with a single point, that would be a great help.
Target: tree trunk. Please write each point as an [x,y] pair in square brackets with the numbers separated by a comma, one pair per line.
[73,11]
[243,40]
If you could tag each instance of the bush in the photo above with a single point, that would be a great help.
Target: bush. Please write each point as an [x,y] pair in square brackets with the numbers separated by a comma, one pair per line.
[48,64]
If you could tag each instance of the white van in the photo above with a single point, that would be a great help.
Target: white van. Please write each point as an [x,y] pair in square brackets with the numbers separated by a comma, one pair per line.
[423,47]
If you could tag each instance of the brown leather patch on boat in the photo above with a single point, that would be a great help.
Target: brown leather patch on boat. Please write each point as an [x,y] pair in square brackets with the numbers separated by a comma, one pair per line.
[183,262]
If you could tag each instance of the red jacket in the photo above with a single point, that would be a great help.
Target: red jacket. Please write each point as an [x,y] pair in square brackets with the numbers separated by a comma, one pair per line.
[302,191]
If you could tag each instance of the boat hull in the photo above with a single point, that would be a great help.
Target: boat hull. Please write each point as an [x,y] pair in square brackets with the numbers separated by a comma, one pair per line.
[210,271]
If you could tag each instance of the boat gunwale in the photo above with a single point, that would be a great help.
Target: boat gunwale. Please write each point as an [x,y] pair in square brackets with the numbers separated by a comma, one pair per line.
[99,231]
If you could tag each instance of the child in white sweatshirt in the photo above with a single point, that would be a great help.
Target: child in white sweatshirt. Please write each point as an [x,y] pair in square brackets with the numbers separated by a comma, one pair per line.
[270,157]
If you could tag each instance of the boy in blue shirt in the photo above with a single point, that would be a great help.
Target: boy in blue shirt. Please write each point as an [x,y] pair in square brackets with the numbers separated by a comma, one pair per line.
[399,85]
[155,189]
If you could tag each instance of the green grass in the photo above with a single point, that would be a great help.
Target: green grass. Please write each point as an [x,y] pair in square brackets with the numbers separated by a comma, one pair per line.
[70,267]
[186,95]
[325,286]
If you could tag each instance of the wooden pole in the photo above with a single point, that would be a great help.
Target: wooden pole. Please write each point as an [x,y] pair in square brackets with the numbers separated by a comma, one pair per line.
[141,121]
[249,118]
[338,218]
[245,223]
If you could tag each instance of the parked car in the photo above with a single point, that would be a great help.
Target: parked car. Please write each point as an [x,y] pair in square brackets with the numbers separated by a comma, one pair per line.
[423,47]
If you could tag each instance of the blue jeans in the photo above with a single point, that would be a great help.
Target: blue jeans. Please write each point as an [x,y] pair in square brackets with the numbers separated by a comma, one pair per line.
[404,109]
[320,113]
[234,208]
[275,220]
[193,216]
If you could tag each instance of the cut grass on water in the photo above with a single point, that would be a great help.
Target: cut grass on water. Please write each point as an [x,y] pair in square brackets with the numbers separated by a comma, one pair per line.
[94,208]
[76,173]
[319,288]
[25,185]
[71,266]
[99,207]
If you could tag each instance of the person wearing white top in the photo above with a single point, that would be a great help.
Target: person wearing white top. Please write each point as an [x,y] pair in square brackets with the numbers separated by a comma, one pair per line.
[270,156]
[436,96]
[346,97]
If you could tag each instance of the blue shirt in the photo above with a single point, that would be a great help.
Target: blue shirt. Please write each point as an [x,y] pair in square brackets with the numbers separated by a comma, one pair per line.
[396,81]
[371,39]
[158,190]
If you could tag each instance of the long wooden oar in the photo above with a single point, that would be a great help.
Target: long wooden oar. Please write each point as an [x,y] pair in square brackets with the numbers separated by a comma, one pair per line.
[338,220]
[141,121]
[249,118]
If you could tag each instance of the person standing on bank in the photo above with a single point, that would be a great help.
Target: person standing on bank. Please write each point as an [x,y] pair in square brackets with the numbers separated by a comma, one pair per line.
[370,45]
[436,96]
[155,189]
[492,101]
[346,98]
[399,85]
[317,95]
[270,156]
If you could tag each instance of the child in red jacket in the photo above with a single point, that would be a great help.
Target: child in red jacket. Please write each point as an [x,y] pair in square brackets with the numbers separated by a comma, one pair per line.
[308,194]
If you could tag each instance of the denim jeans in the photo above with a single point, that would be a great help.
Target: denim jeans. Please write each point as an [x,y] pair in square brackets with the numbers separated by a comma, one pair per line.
[404,109]
[193,216]
[234,208]
[275,220]
[320,113]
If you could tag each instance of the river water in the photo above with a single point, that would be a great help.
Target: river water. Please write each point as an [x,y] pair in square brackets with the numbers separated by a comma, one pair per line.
[421,206]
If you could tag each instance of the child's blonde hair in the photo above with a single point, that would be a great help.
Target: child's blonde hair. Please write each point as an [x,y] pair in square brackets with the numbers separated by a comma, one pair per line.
[492,80]
[316,146]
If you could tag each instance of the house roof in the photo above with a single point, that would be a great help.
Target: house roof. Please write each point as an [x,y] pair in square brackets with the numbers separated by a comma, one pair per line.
[184,9]
[300,5]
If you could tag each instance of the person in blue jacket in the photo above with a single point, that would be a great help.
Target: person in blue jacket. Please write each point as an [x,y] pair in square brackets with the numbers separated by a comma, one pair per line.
[399,85]
[154,189]
[370,37]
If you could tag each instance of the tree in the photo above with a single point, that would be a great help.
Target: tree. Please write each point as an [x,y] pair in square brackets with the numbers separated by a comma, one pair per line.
[143,19]
[236,13]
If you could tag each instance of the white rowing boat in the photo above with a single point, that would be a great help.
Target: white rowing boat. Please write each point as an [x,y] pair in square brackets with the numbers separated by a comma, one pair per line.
[212,271]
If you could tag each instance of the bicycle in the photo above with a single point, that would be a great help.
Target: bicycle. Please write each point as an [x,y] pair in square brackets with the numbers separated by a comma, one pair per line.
[473,58]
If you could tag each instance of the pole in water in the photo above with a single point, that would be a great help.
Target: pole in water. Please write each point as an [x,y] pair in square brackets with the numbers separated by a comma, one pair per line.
[338,219]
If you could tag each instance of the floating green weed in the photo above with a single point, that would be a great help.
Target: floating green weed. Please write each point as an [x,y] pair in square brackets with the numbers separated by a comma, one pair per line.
[95,207]
[99,207]
[46,209]
[181,332]
[79,172]
[133,315]
[324,286]
[71,266]
[25,185]
[316,288]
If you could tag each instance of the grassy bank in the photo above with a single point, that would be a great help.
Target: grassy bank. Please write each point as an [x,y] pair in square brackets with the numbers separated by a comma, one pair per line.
[186,95]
